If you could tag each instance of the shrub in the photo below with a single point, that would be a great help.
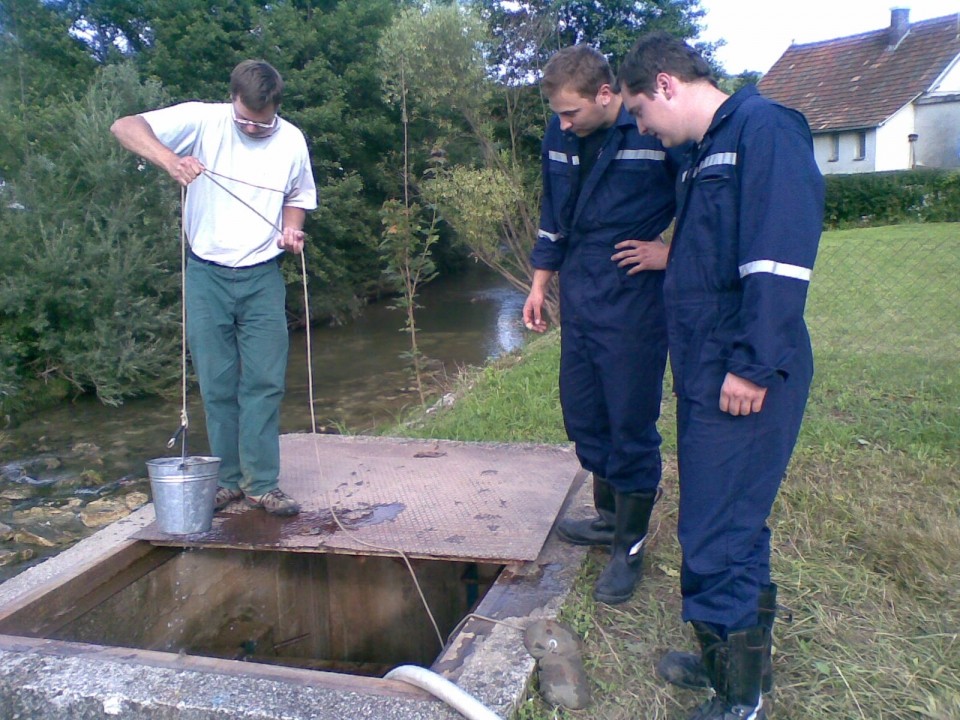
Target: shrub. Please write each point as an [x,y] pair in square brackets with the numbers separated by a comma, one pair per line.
[89,282]
[890,198]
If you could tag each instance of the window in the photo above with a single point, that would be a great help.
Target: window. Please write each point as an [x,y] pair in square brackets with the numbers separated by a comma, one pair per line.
[834,148]
[861,146]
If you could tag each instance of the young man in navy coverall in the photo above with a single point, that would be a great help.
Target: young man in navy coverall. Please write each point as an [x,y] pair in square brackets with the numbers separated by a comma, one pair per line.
[749,215]
[607,196]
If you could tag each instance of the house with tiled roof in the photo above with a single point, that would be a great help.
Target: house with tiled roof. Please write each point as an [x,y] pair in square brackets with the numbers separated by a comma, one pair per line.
[882,100]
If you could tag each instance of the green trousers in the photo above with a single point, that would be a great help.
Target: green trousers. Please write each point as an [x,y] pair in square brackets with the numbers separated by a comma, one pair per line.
[237,334]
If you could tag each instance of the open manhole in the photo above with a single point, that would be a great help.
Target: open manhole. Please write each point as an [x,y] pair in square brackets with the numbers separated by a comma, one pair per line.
[313,600]
[353,614]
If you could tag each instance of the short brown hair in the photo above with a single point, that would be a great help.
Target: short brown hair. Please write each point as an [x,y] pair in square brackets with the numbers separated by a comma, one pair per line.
[257,84]
[579,67]
[661,52]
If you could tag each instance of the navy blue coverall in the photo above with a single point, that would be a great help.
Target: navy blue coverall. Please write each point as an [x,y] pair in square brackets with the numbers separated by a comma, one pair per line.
[750,210]
[613,332]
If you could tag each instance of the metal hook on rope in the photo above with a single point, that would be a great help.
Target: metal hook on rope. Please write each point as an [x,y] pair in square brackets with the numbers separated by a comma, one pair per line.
[180,434]
[181,431]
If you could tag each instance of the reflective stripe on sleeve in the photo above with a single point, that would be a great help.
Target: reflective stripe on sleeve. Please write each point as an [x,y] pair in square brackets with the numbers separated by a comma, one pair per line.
[775,268]
[640,155]
[563,158]
[724,158]
[552,237]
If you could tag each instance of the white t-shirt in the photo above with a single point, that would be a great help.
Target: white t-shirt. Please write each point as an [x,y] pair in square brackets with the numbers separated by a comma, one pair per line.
[219,227]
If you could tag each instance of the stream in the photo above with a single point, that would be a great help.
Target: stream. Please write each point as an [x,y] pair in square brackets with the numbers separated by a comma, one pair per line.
[67,471]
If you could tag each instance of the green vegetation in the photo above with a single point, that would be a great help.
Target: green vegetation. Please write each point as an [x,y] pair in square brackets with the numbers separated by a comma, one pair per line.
[406,249]
[513,400]
[108,230]
[903,196]
[866,529]
[88,297]
[883,316]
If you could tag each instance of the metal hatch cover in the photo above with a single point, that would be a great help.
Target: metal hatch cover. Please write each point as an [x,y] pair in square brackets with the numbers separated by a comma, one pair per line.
[435,499]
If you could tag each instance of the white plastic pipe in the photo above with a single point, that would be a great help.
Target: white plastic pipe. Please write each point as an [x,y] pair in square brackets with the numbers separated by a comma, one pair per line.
[440,687]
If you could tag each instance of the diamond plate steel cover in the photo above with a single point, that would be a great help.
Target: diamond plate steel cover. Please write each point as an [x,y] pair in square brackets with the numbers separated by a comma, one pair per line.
[429,499]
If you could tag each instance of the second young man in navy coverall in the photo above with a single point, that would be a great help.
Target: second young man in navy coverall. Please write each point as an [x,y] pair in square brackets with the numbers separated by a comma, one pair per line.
[607,195]
[749,216]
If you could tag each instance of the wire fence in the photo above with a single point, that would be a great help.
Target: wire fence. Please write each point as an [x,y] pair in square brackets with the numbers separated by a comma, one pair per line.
[884,319]
[891,292]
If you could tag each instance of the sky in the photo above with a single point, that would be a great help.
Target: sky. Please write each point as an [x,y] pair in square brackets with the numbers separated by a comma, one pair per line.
[758,31]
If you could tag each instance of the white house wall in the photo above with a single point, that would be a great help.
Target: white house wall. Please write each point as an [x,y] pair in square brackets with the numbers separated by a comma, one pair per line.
[938,131]
[893,146]
[935,121]
[846,161]
[949,83]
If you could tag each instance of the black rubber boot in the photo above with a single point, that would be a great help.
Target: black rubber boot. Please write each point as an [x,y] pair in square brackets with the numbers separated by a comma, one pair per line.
[686,669]
[593,531]
[712,648]
[620,576]
[766,616]
[735,668]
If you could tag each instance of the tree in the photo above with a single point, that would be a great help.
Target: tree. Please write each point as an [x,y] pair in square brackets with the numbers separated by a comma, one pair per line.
[42,63]
[194,45]
[484,188]
[89,288]
[326,53]
[732,83]
[406,247]
[111,29]
[528,32]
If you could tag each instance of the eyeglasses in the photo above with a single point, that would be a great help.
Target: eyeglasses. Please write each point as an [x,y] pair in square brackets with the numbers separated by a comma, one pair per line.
[259,129]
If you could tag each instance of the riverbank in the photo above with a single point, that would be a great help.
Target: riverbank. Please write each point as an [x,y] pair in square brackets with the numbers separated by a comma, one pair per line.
[866,549]
[63,468]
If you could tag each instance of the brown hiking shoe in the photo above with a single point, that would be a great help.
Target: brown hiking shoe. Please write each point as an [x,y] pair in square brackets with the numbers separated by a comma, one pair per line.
[225,496]
[275,502]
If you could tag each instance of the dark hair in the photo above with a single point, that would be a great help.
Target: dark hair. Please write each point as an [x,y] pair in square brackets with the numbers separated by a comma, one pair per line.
[579,67]
[257,84]
[661,52]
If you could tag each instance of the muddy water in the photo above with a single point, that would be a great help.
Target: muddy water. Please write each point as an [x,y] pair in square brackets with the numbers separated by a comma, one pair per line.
[54,464]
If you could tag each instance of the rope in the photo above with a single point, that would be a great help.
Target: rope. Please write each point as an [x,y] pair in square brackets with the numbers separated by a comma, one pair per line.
[396,551]
[181,432]
[184,420]
[239,199]
[208,171]
[316,447]
[306,309]
[475,616]
[313,420]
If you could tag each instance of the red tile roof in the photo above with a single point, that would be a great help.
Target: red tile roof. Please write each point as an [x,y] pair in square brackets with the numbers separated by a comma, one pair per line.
[857,81]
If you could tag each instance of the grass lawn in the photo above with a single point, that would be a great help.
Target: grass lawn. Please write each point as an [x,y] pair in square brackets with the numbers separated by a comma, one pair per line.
[866,529]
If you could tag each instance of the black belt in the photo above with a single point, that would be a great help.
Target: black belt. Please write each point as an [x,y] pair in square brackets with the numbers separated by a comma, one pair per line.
[193,256]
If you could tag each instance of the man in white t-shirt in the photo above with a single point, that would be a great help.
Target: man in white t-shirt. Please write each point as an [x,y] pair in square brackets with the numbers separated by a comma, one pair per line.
[249,186]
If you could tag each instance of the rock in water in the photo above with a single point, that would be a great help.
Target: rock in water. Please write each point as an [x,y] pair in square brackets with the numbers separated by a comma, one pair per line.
[103,512]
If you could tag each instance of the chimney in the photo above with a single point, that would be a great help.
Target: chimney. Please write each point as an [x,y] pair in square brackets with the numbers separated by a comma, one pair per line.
[899,26]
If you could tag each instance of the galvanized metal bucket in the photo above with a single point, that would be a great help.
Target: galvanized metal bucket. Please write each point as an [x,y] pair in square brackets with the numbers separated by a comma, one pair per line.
[184,491]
